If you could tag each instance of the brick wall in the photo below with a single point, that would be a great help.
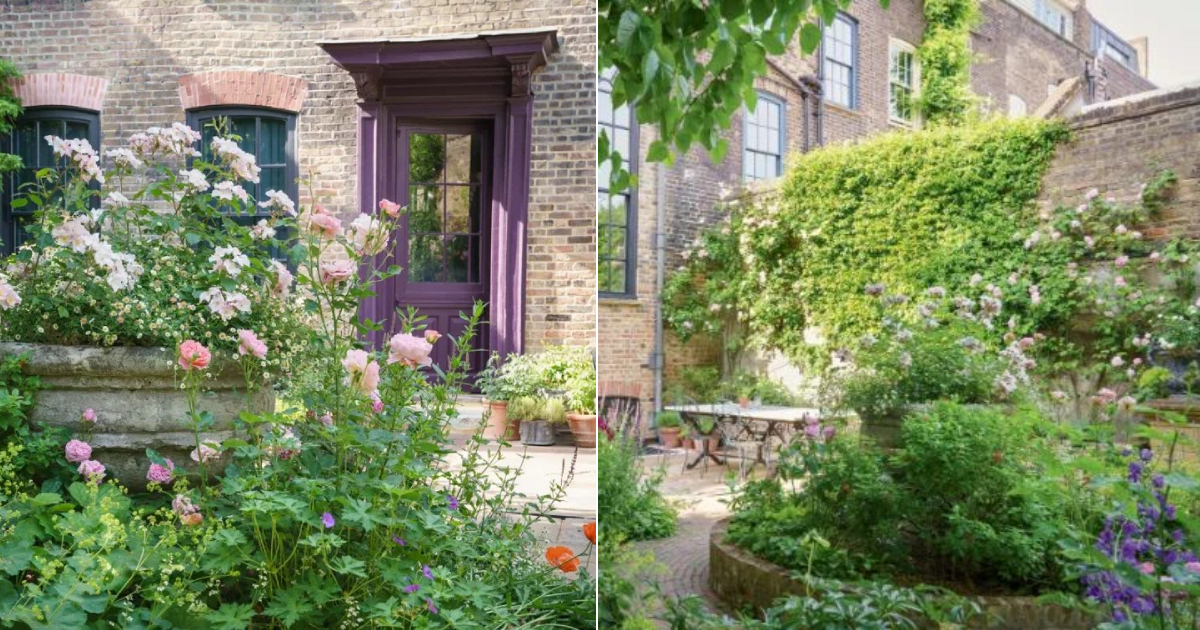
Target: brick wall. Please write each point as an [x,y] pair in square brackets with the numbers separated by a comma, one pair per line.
[1117,146]
[1015,55]
[142,47]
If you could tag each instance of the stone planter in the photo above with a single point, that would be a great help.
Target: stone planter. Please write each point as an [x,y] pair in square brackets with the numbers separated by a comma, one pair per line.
[537,433]
[497,421]
[741,580]
[138,402]
[583,427]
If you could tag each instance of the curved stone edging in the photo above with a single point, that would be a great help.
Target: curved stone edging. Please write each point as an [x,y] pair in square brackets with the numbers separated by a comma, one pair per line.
[138,402]
[742,579]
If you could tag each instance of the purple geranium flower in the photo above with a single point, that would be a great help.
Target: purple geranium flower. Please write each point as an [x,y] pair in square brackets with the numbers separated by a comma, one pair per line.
[452,502]
[426,571]
[327,520]
[412,588]
[399,541]
[430,606]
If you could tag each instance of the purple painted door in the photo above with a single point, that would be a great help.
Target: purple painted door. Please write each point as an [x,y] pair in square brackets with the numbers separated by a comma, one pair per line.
[442,244]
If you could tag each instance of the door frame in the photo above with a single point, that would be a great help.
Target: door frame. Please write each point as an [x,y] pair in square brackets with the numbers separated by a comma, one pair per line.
[486,76]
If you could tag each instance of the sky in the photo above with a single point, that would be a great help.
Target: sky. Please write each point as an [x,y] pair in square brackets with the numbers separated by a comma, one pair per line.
[1174,30]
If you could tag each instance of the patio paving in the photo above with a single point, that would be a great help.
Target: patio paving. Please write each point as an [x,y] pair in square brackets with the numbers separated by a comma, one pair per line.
[540,467]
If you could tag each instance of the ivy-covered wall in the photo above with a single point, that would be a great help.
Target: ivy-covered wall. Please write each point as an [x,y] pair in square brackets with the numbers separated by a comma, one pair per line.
[908,210]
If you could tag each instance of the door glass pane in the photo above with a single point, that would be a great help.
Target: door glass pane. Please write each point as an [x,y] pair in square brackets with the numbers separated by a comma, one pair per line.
[457,258]
[425,209]
[426,158]
[458,208]
[76,130]
[460,159]
[425,256]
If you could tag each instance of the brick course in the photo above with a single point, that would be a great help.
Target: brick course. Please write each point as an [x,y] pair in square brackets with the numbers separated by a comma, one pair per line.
[61,89]
[142,49]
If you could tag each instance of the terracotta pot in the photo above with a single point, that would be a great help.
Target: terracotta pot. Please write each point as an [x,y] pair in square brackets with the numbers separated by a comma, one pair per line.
[583,426]
[497,422]
[744,402]
[512,431]
[669,436]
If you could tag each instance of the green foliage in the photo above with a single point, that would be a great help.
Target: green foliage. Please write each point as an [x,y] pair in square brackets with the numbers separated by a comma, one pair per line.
[908,210]
[39,457]
[552,410]
[945,56]
[522,408]
[626,595]
[10,108]
[668,420]
[689,67]
[967,500]
[632,506]
[560,371]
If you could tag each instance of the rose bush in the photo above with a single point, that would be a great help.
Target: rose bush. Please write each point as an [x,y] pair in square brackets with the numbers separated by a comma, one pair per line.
[341,509]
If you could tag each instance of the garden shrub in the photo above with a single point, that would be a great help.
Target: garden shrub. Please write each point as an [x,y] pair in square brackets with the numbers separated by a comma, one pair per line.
[945,56]
[907,210]
[629,498]
[339,510]
[966,501]
[37,449]
[10,108]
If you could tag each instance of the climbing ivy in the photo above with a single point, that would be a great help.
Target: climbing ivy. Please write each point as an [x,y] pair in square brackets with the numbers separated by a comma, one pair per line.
[10,108]
[945,56]
[908,210]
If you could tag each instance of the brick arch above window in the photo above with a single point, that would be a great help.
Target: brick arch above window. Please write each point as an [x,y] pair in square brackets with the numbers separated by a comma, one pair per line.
[61,89]
[244,88]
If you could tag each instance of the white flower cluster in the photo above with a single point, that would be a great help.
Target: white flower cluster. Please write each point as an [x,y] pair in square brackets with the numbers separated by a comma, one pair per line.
[229,190]
[262,231]
[226,304]
[124,158]
[279,200]
[8,295]
[178,139]
[81,152]
[368,235]
[241,163]
[194,179]
[230,260]
[123,270]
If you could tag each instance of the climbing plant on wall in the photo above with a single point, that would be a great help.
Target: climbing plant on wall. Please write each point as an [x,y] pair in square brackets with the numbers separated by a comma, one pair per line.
[945,57]
[910,211]
[10,108]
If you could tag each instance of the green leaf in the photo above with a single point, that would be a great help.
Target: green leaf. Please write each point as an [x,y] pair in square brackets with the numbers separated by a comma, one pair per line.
[658,151]
[627,27]
[19,202]
[363,513]
[722,56]
[650,66]
[348,565]
[230,617]
[760,10]
[192,238]
[47,498]
[289,606]
[810,37]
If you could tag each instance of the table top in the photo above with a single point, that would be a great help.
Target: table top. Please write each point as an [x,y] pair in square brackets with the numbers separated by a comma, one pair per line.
[763,412]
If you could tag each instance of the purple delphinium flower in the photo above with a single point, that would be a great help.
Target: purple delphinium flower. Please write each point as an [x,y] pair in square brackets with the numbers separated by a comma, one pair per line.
[1147,454]
[1135,471]
[399,541]
[427,572]
[430,606]
[451,502]
[412,588]
[327,520]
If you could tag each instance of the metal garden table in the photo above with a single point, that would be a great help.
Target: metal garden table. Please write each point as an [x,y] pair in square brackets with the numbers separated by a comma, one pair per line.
[755,423]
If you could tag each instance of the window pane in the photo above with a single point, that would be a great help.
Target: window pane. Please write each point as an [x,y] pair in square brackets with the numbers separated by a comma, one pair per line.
[426,158]
[271,178]
[457,258]
[616,279]
[76,130]
[604,106]
[27,143]
[459,158]
[425,209]
[458,208]
[425,258]
[246,127]
[273,145]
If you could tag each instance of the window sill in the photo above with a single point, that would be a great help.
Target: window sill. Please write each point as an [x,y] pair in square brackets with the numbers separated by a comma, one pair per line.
[842,109]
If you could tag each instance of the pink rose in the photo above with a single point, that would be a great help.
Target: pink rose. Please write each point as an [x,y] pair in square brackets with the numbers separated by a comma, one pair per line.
[336,271]
[410,350]
[248,343]
[376,404]
[1146,568]
[361,371]
[390,208]
[432,336]
[1121,261]
[159,473]
[89,415]
[78,452]
[326,225]
[92,470]
[193,355]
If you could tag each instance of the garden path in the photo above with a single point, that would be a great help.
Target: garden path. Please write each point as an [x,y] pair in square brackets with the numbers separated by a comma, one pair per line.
[701,497]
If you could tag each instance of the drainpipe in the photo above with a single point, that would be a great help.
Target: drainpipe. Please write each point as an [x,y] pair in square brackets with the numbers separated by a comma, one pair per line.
[657,359]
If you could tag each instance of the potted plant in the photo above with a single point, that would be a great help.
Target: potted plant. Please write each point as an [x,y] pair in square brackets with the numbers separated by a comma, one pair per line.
[582,404]
[491,384]
[693,442]
[519,410]
[669,426]
[538,430]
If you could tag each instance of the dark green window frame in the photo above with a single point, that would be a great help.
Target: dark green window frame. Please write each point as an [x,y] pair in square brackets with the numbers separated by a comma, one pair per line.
[198,118]
[45,121]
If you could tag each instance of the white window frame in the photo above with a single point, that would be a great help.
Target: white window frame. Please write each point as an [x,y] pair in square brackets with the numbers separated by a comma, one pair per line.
[750,129]
[1017,107]
[1050,11]
[899,45]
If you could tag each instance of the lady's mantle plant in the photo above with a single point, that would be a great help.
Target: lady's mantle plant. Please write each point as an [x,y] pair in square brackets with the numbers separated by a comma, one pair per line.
[340,511]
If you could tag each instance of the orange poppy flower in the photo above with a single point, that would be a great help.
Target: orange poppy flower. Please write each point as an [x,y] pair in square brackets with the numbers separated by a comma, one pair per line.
[589,530]
[562,558]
